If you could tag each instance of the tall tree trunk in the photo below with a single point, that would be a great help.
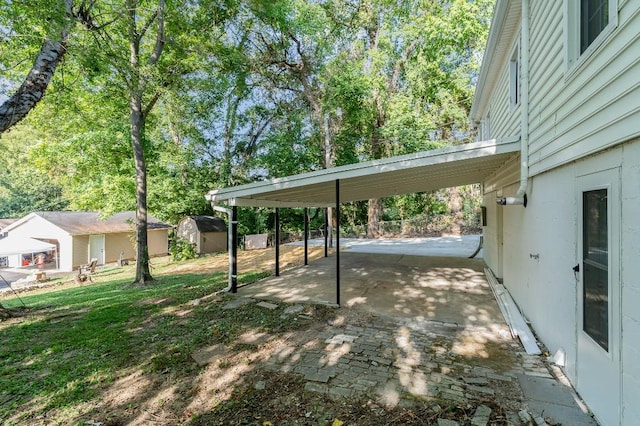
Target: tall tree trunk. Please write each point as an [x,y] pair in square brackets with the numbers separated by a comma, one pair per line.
[374,211]
[229,130]
[137,123]
[328,163]
[143,274]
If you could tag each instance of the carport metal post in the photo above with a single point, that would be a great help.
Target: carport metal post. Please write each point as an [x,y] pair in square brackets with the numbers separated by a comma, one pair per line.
[234,249]
[338,242]
[324,231]
[306,236]
[277,242]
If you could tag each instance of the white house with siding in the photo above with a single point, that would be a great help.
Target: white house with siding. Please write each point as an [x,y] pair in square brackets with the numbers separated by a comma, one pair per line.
[564,77]
[79,237]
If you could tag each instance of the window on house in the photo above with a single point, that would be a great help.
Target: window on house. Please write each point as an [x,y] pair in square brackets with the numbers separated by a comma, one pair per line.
[594,17]
[589,23]
[514,78]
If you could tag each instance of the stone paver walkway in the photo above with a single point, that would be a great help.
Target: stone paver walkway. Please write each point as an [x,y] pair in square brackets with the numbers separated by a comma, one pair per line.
[399,361]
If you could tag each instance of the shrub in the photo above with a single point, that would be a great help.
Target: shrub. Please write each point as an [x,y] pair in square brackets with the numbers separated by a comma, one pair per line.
[182,249]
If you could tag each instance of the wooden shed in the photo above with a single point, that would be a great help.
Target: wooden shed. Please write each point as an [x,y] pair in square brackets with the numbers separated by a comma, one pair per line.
[208,233]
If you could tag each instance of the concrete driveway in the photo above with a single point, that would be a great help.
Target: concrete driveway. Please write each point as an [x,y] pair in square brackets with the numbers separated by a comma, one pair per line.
[10,277]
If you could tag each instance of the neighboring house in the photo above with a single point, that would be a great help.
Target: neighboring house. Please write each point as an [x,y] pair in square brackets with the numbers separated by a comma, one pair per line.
[81,236]
[207,233]
[564,77]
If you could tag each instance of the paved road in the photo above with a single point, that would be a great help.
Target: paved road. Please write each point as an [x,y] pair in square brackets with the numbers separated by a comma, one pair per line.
[9,276]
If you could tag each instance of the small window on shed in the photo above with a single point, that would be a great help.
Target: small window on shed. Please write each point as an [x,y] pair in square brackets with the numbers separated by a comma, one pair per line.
[514,78]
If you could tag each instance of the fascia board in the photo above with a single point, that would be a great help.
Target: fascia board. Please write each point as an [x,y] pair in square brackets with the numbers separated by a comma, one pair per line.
[249,194]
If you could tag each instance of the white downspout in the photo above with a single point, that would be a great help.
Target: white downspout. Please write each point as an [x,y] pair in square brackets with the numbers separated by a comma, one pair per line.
[229,241]
[521,194]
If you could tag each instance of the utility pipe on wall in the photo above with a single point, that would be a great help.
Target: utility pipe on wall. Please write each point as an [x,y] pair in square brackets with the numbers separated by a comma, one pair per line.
[521,194]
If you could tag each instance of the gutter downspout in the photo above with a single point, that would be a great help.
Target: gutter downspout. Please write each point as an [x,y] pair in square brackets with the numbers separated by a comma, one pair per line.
[229,212]
[521,194]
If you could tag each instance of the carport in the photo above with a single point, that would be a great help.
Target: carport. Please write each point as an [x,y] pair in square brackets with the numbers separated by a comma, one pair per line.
[418,172]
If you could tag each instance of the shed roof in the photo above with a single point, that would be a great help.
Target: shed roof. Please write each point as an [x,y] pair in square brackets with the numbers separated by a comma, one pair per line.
[418,172]
[87,223]
[209,223]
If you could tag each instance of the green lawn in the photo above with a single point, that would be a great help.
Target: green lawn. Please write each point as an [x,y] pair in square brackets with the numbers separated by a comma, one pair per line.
[61,352]
[109,354]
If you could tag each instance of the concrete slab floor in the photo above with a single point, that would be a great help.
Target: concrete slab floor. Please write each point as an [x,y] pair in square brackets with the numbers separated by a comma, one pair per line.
[453,245]
[445,289]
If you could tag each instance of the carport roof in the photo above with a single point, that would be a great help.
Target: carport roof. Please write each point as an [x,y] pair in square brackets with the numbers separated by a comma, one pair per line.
[418,172]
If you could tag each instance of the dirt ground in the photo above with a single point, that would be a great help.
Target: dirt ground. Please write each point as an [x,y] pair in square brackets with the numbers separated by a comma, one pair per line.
[253,260]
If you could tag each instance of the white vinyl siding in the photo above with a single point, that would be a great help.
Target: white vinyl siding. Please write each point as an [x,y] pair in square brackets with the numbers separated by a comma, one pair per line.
[505,119]
[507,175]
[596,108]
[486,127]
[546,77]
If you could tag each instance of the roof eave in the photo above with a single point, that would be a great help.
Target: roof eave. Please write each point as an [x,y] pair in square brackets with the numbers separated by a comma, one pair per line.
[480,100]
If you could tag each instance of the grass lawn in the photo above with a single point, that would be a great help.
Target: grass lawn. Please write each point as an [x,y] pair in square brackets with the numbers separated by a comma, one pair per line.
[68,346]
[106,354]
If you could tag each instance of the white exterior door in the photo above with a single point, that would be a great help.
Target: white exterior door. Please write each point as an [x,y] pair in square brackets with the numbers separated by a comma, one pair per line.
[598,271]
[96,248]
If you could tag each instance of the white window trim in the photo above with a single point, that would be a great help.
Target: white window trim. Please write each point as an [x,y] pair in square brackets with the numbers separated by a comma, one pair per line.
[514,77]
[486,127]
[573,59]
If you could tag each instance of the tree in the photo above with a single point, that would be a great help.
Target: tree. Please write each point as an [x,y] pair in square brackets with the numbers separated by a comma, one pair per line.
[153,49]
[52,50]
[149,46]
[24,189]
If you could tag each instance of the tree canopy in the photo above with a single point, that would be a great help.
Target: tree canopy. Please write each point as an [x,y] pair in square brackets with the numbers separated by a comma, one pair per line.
[171,99]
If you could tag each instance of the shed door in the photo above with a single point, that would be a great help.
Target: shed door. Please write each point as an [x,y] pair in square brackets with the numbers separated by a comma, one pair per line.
[599,325]
[96,248]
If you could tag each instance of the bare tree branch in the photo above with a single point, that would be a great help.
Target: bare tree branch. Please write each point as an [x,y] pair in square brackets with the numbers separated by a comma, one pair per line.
[397,69]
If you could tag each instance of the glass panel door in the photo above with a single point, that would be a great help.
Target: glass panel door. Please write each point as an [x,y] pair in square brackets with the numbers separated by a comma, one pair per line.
[595,251]
[598,369]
